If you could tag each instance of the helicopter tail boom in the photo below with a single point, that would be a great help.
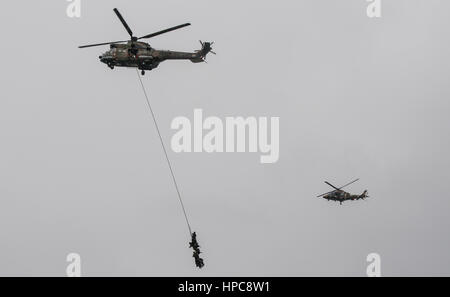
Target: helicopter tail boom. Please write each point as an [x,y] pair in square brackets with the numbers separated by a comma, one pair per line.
[195,57]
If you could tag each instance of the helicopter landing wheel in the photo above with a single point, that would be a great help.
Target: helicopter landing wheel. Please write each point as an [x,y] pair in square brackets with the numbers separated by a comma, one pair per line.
[143,72]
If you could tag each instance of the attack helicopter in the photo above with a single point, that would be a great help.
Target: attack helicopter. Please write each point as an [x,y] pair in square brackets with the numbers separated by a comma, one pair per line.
[339,195]
[139,54]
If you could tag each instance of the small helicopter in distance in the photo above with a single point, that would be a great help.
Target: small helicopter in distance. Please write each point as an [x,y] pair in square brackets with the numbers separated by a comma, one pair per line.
[138,54]
[339,195]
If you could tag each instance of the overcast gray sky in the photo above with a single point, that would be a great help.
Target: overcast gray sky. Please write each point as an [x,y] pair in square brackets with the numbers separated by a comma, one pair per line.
[82,169]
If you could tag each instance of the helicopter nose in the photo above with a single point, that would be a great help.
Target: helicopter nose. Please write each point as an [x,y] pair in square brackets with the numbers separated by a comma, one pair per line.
[103,59]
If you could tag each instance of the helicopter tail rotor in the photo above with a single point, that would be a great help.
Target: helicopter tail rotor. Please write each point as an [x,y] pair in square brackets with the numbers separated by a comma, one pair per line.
[203,52]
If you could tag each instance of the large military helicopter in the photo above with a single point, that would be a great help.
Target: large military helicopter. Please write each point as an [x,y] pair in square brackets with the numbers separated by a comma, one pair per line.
[339,195]
[138,54]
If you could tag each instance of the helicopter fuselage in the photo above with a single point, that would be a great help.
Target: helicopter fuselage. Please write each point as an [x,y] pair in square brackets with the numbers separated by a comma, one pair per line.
[142,56]
[337,195]
[342,196]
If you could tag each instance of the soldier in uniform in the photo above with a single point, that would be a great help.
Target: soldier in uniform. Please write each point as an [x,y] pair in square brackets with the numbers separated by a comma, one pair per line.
[196,247]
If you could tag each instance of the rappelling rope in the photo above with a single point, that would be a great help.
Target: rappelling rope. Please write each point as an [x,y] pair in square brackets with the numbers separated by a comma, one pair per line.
[165,153]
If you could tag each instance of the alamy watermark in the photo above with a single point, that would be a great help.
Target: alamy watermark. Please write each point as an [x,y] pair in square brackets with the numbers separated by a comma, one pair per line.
[374,268]
[234,134]
[74,267]
[374,9]
[74,9]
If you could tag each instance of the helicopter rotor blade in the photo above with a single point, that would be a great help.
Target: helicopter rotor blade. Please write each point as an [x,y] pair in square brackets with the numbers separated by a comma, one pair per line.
[124,23]
[337,189]
[98,44]
[164,31]
[326,193]
[332,186]
[343,185]
[349,183]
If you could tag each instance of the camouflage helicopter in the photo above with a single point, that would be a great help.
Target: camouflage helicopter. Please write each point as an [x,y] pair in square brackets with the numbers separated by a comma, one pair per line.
[138,54]
[339,195]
